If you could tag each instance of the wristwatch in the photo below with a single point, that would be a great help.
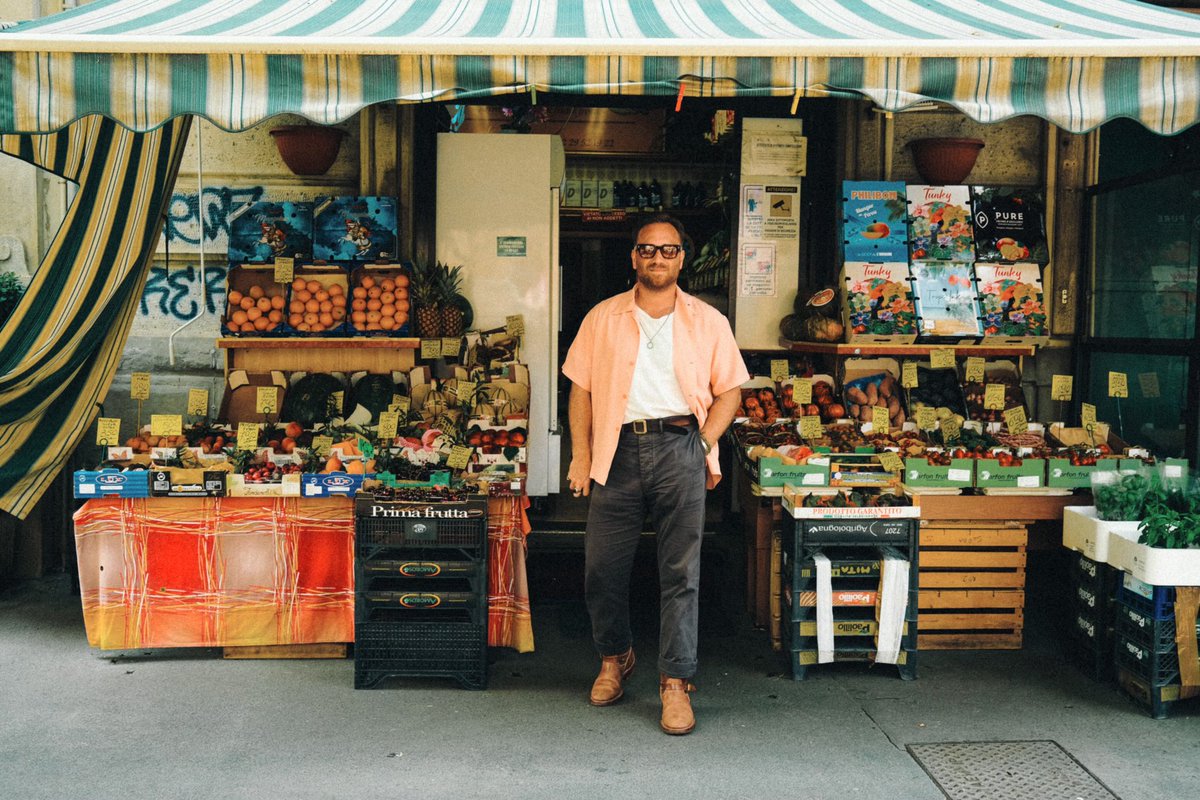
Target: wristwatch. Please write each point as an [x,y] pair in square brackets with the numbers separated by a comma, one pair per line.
[704,443]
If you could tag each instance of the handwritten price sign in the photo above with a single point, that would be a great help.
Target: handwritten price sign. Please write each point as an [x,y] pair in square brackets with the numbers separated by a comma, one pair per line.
[779,370]
[1118,384]
[197,405]
[266,399]
[1062,387]
[108,431]
[993,396]
[974,370]
[139,386]
[908,375]
[942,358]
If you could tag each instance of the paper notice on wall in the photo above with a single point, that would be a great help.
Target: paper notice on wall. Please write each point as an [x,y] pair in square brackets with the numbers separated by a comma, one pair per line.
[776,153]
[783,212]
[753,212]
[756,270]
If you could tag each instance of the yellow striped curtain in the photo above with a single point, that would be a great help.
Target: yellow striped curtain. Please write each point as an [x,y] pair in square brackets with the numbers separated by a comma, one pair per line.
[63,342]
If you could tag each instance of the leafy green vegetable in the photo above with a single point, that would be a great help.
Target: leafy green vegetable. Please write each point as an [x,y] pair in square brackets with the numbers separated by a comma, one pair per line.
[1122,500]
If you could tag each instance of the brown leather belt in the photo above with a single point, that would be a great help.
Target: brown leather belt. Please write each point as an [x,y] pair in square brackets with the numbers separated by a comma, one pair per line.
[680,424]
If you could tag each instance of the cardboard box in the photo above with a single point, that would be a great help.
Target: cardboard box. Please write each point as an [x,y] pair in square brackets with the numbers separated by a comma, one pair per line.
[263,231]
[946,303]
[939,227]
[326,277]
[239,401]
[874,223]
[877,303]
[354,229]
[333,484]
[90,484]
[1031,474]
[289,486]
[401,275]
[241,279]
[178,482]
[960,473]
[770,472]
[1012,305]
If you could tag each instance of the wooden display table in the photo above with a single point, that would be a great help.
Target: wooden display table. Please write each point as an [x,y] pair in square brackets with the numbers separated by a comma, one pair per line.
[1022,508]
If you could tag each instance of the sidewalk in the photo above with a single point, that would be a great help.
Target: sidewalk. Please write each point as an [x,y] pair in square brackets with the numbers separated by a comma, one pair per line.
[187,724]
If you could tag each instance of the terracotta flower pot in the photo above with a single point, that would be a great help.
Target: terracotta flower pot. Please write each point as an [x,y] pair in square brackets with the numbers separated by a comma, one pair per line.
[944,161]
[308,149]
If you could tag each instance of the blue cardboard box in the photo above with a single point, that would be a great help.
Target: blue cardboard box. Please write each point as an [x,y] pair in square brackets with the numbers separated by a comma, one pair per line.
[354,229]
[111,483]
[261,232]
[874,221]
[332,484]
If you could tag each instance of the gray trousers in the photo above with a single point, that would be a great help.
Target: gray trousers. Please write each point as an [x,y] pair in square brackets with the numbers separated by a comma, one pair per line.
[661,474]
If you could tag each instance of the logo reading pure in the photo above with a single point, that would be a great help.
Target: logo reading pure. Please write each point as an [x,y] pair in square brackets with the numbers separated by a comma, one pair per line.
[420,600]
[420,569]
[982,220]
[1017,217]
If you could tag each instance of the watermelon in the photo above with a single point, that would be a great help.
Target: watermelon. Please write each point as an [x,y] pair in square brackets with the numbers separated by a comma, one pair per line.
[310,399]
[374,393]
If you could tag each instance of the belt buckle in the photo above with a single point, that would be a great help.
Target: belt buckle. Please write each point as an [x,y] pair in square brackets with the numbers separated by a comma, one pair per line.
[640,426]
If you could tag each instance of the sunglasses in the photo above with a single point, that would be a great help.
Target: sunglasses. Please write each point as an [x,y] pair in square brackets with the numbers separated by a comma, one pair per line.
[667,250]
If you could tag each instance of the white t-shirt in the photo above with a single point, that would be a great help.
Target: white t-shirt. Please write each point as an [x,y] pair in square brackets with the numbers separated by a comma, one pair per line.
[655,391]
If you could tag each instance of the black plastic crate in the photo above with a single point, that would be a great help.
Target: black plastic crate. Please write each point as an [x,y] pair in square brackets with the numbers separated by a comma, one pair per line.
[424,604]
[421,567]
[1158,700]
[1094,655]
[899,532]
[1161,604]
[1157,635]
[802,660]
[1158,669]
[1096,576]
[391,524]
[420,649]
[375,583]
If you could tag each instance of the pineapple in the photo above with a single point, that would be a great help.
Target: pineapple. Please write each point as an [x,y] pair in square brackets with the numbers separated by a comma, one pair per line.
[450,279]
[425,293]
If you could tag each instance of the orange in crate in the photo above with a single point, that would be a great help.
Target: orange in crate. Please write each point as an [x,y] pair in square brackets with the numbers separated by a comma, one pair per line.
[379,302]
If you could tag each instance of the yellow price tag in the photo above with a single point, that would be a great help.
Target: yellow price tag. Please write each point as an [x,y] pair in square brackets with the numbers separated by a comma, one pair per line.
[1118,384]
[802,391]
[321,444]
[514,324]
[811,428]
[1062,387]
[338,401]
[400,404]
[460,456]
[1149,383]
[881,420]
[166,424]
[891,461]
[993,396]
[951,429]
[389,421]
[465,390]
[285,269]
[247,436]
[779,370]
[451,346]
[1014,419]
[908,375]
[139,386]
[266,399]
[942,358]
[431,348]
[974,370]
[108,431]
[1087,416]
[197,405]
[926,418]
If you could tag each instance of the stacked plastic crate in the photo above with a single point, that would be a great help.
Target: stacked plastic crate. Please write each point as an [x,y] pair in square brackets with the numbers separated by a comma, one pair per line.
[420,589]
[1147,658]
[1093,587]
[856,550]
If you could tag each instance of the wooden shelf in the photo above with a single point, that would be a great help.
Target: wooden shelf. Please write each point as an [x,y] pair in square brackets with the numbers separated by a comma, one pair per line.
[841,349]
[999,507]
[314,354]
[318,343]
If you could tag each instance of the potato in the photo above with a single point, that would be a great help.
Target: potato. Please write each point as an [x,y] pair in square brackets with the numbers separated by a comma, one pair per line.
[856,396]
[872,394]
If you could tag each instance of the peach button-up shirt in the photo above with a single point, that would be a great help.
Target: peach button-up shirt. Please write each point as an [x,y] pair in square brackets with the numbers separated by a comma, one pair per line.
[602,357]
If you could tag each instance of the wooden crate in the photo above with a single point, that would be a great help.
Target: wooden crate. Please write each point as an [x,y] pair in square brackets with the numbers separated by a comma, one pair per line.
[971,585]
[775,601]
[761,518]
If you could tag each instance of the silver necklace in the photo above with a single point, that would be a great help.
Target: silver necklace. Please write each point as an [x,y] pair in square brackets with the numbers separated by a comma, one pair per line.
[650,339]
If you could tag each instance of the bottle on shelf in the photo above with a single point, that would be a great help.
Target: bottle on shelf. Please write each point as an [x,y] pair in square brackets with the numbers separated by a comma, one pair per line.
[656,198]
[677,195]
[643,195]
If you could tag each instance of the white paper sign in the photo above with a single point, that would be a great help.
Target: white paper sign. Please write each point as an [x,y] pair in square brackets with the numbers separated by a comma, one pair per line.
[756,270]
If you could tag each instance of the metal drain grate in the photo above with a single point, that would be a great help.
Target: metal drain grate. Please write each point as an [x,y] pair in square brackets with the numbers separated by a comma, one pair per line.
[1004,770]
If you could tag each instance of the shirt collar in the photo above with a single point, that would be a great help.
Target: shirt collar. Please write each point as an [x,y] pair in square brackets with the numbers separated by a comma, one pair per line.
[626,301]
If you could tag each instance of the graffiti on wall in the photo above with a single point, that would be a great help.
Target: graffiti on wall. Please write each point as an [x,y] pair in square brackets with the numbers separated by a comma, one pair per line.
[175,294]
[188,218]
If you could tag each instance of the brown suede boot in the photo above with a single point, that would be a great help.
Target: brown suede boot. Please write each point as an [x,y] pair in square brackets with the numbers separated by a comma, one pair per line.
[677,716]
[613,669]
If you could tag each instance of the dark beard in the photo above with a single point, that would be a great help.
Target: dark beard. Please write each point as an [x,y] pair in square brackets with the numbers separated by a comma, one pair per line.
[647,280]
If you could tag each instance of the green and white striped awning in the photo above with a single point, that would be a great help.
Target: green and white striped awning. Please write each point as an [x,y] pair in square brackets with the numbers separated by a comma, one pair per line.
[1076,63]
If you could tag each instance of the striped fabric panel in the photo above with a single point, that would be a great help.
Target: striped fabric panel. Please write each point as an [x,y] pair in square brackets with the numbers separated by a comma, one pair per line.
[61,346]
[238,62]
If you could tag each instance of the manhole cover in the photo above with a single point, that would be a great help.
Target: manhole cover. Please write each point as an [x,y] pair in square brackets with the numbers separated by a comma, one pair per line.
[1003,770]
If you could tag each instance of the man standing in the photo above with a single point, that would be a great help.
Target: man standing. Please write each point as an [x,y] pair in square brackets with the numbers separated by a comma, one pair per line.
[655,379]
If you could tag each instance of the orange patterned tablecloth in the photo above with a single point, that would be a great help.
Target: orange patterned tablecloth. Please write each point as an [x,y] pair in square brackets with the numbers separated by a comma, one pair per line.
[221,572]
